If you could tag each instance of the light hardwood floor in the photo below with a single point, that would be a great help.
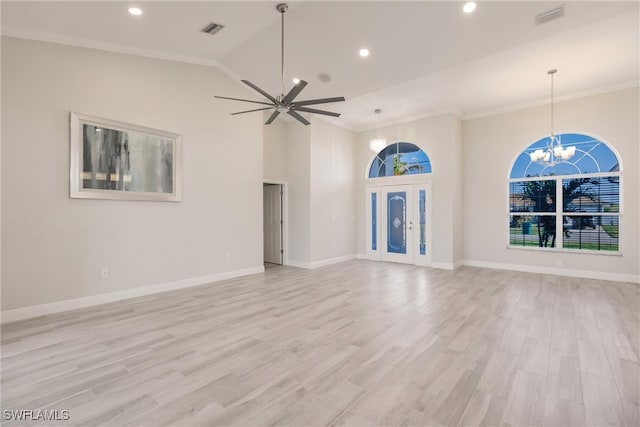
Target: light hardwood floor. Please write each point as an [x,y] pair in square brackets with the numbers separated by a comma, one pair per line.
[358,343]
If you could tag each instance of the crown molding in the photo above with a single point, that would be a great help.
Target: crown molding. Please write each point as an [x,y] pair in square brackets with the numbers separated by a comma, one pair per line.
[108,47]
[575,95]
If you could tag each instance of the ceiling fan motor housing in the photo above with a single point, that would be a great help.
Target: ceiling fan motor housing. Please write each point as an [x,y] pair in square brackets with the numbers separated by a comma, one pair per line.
[286,102]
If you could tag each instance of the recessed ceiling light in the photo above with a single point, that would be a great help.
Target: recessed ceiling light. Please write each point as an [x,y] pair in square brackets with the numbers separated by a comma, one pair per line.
[296,80]
[135,11]
[364,52]
[469,7]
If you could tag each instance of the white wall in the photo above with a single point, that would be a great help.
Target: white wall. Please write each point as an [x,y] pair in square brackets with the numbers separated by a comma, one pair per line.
[275,149]
[333,192]
[492,143]
[299,179]
[53,247]
[441,138]
[316,162]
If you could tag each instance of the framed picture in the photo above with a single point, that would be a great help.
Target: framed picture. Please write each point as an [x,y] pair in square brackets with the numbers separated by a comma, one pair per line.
[121,161]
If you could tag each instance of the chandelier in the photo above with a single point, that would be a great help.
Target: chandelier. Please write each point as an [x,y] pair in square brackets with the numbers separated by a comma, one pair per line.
[377,143]
[555,153]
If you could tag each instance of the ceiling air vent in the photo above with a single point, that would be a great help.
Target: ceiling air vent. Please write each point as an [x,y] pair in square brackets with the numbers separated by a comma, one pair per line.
[212,28]
[550,15]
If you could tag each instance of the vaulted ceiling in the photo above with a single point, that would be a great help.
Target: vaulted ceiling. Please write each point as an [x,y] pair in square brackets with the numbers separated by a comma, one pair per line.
[427,57]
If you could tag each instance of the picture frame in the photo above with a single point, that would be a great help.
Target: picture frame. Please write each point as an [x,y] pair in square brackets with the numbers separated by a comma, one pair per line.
[120,161]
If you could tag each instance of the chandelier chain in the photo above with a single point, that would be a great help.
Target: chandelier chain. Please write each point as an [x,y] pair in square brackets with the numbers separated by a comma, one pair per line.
[378,142]
[555,152]
[552,72]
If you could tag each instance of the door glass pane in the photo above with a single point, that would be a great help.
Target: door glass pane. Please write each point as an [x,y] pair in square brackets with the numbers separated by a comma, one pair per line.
[397,222]
[374,221]
[423,215]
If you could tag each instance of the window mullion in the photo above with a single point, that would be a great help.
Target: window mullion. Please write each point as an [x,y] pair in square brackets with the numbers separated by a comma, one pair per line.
[559,214]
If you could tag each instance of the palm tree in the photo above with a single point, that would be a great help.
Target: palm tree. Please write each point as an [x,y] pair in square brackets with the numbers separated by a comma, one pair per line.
[543,196]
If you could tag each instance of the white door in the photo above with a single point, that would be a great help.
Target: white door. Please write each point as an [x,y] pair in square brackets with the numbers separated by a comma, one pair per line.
[399,223]
[272,205]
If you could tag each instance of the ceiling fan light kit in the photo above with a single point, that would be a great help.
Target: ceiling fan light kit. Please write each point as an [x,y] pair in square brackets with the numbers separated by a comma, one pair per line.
[286,103]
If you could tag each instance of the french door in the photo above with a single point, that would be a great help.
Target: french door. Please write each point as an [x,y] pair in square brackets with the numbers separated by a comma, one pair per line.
[398,228]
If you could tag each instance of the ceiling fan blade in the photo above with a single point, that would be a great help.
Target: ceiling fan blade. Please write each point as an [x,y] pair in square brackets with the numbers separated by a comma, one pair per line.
[318,101]
[313,110]
[244,100]
[257,89]
[251,111]
[298,117]
[272,117]
[295,90]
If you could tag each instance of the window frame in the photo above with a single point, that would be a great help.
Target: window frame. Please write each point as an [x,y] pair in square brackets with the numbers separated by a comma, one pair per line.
[397,143]
[559,213]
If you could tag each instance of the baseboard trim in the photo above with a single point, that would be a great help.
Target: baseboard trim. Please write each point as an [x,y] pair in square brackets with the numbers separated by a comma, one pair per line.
[298,264]
[586,274]
[76,303]
[321,263]
[447,265]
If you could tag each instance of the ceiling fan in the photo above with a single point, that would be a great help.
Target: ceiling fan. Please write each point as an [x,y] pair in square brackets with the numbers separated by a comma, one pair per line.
[286,102]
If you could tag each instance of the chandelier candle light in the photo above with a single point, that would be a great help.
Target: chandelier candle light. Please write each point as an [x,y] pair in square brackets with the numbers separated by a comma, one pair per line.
[554,153]
[378,143]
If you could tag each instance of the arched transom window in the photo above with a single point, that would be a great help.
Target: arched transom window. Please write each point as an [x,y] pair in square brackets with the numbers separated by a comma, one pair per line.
[573,205]
[400,158]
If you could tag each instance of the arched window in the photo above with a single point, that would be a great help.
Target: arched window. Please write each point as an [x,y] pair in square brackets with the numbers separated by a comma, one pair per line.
[400,158]
[574,204]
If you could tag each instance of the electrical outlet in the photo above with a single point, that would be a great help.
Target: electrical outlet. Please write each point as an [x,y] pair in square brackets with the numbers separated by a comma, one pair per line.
[227,256]
[104,273]
[558,263]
